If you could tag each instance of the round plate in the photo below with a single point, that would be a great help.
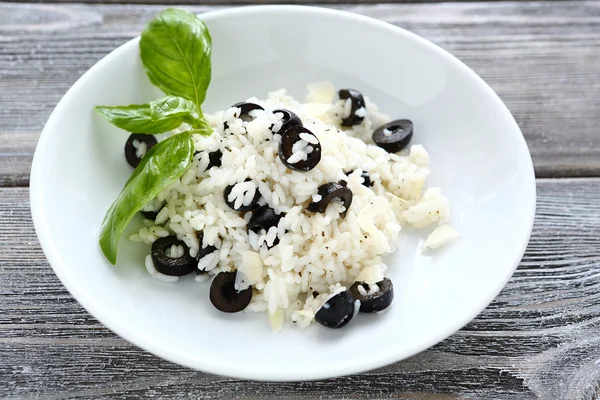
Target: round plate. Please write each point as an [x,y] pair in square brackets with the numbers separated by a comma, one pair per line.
[478,157]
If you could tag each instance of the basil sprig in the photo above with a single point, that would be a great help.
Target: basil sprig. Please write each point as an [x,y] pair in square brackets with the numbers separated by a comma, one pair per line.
[175,49]
[160,116]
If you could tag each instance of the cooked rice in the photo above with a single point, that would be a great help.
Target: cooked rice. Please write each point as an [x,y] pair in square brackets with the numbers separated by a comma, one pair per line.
[319,252]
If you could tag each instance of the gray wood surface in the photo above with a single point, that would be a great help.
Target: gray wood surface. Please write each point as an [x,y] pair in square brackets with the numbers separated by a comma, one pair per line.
[540,339]
[543,59]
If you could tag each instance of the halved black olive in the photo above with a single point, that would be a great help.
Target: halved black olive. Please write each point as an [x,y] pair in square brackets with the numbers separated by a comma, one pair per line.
[133,154]
[329,192]
[337,311]
[366,178]
[357,102]
[264,218]
[174,266]
[224,296]
[288,120]
[374,302]
[299,149]
[394,136]
[201,254]
[249,207]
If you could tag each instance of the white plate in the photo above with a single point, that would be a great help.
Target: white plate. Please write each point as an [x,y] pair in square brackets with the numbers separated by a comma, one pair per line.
[478,157]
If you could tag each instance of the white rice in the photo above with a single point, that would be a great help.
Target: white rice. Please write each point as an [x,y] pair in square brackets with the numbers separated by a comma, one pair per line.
[140,148]
[316,252]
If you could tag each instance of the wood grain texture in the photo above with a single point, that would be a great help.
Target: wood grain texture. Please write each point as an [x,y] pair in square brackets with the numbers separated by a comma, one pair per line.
[540,338]
[248,2]
[543,59]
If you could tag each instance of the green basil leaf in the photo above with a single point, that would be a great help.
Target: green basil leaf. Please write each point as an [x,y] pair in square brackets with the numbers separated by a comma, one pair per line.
[173,106]
[178,107]
[162,115]
[137,118]
[161,166]
[175,48]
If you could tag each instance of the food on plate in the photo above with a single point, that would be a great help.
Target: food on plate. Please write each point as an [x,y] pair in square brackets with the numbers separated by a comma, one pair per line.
[394,136]
[375,297]
[299,148]
[354,107]
[288,207]
[171,256]
[337,310]
[225,296]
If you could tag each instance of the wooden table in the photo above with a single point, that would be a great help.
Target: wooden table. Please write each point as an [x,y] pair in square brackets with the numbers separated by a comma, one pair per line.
[539,339]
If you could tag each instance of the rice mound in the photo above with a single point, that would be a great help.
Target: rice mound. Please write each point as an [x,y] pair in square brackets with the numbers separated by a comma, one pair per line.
[318,253]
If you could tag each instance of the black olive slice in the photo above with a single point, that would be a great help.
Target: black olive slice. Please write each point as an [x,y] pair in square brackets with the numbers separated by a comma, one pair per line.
[288,120]
[224,296]
[299,149]
[168,265]
[337,311]
[245,109]
[329,192]
[374,302]
[214,159]
[242,191]
[133,152]
[151,210]
[201,254]
[264,219]
[151,215]
[366,178]
[357,102]
[394,136]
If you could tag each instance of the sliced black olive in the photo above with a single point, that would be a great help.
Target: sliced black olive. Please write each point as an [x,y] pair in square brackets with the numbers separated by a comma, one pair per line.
[377,301]
[165,264]
[151,215]
[264,219]
[245,109]
[288,120]
[357,102]
[132,147]
[253,204]
[296,152]
[201,254]
[329,192]
[224,296]
[151,210]
[394,136]
[366,178]
[214,158]
[337,311]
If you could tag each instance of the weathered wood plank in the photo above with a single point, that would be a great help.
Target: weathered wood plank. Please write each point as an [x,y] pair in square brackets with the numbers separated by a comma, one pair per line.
[543,58]
[539,339]
[248,2]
